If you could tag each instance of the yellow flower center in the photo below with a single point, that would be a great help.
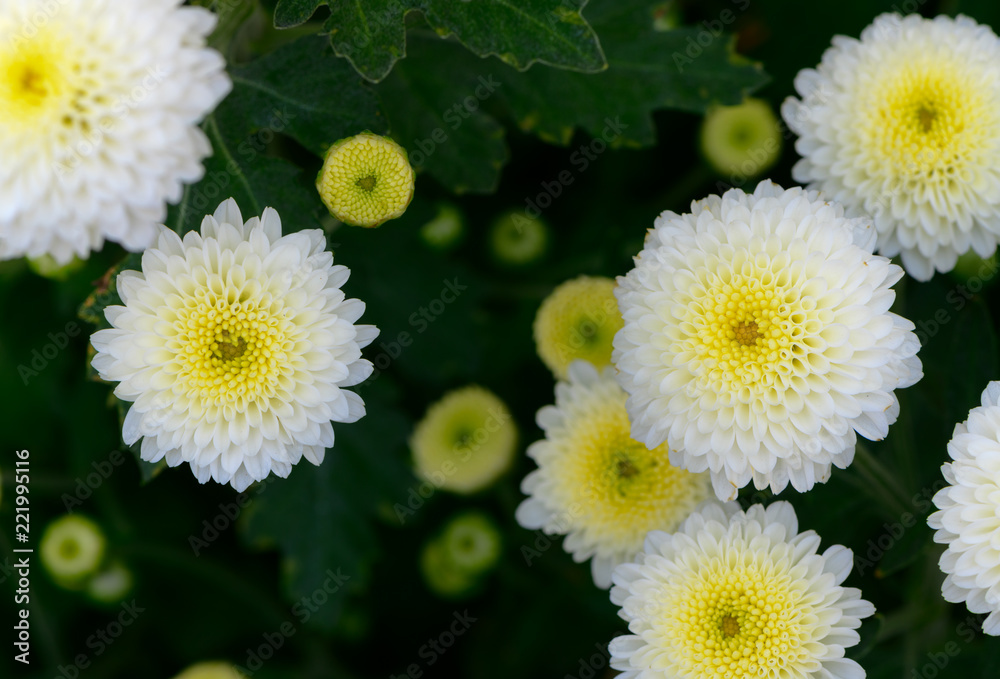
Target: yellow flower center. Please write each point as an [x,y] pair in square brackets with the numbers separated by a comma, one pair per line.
[233,351]
[747,333]
[925,121]
[624,489]
[367,183]
[735,617]
[52,88]
[729,625]
[749,329]
[366,180]
[33,79]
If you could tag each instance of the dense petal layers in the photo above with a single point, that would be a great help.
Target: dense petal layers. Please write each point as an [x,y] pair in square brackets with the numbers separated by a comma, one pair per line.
[968,516]
[100,102]
[594,483]
[235,346]
[904,125]
[758,339]
[734,595]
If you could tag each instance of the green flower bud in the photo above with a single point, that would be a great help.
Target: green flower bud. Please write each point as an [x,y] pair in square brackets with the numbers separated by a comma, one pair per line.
[471,542]
[72,549]
[516,240]
[445,230]
[741,140]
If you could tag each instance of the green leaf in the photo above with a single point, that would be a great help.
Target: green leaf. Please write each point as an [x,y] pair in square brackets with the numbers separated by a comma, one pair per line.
[236,170]
[647,70]
[372,35]
[321,518]
[521,32]
[231,14]
[436,100]
[291,13]
[463,149]
[302,91]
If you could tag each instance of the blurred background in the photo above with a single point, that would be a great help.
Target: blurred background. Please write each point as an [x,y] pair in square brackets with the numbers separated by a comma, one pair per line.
[344,570]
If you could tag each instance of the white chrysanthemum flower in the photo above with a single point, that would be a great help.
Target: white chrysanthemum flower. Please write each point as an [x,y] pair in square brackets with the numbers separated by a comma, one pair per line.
[758,339]
[968,520]
[99,106]
[905,125]
[596,484]
[734,595]
[235,345]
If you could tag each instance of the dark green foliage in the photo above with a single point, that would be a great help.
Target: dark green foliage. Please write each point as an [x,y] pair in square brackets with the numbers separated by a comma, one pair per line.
[581,111]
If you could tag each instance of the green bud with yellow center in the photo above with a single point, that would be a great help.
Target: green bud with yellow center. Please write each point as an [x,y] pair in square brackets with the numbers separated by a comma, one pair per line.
[742,140]
[366,180]
[517,240]
[72,549]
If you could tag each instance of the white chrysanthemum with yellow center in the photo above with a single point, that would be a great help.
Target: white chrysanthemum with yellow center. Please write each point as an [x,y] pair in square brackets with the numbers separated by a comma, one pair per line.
[235,346]
[734,595]
[905,125]
[968,520]
[595,483]
[758,339]
[578,320]
[99,106]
